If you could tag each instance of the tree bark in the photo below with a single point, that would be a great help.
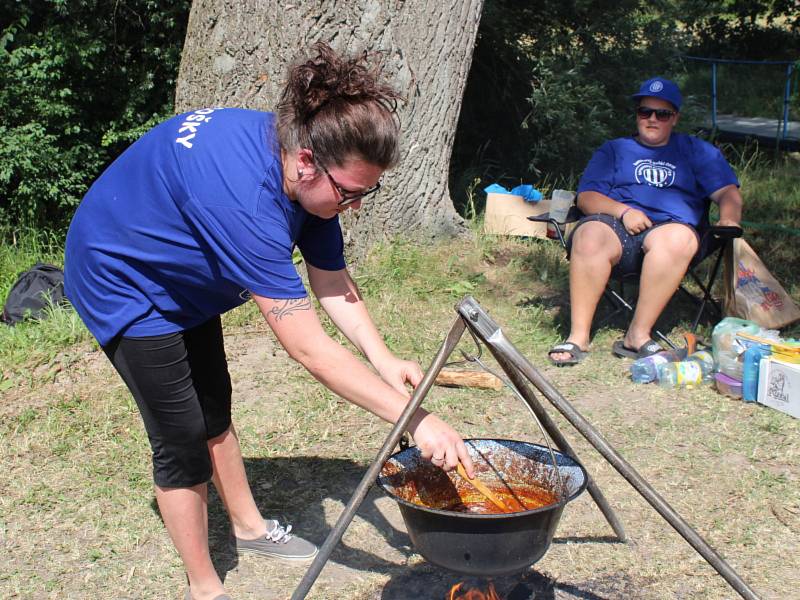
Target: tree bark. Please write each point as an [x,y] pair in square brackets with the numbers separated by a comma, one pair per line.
[237,53]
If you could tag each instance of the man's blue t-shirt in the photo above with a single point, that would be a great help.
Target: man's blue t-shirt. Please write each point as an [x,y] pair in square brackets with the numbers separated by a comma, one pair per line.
[667,183]
[185,223]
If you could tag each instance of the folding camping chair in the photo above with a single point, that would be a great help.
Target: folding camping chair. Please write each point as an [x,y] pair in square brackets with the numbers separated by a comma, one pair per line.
[713,242]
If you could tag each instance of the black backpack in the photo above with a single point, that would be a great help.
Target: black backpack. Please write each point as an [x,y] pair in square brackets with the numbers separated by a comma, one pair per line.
[34,290]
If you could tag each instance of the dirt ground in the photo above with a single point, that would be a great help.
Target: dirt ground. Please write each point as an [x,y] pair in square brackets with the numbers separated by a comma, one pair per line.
[79,520]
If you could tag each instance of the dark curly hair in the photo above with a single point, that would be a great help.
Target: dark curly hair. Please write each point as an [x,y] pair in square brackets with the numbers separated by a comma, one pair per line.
[338,107]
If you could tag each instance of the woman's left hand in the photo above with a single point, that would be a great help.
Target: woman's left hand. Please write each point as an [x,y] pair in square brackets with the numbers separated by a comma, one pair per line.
[398,373]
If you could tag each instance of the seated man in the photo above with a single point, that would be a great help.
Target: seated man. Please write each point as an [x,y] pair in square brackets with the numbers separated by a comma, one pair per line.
[644,198]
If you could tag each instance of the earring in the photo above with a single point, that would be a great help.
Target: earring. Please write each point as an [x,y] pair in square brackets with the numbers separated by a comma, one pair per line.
[299,172]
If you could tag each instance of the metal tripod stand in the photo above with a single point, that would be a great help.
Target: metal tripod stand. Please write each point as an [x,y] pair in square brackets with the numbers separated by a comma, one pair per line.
[521,373]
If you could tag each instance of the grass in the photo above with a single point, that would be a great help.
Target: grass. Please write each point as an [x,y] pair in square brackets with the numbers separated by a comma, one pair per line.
[21,248]
[37,349]
[75,485]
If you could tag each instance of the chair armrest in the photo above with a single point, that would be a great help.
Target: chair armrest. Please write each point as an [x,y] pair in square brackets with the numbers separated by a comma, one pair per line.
[573,215]
[725,232]
[542,218]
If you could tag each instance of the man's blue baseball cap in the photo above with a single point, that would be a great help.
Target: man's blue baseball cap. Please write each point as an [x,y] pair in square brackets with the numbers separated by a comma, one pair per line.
[658,87]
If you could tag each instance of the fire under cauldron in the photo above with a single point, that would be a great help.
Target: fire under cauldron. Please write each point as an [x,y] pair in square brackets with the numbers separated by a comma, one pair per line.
[453,527]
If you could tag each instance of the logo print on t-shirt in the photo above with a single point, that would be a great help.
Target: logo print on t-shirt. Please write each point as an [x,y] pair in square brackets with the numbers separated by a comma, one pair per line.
[245,295]
[656,173]
[191,124]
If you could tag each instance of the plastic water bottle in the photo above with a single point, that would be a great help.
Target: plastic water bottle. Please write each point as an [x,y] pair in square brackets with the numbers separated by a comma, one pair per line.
[696,369]
[560,203]
[752,361]
[726,346]
[645,370]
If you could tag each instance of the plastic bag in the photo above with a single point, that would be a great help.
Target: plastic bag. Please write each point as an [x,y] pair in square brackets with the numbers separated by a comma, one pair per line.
[727,347]
[751,292]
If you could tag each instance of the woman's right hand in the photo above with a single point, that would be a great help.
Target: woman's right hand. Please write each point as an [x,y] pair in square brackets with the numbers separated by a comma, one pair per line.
[635,221]
[439,443]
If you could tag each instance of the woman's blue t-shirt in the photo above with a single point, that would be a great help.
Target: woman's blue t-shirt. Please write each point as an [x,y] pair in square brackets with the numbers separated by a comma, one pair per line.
[186,223]
[667,183]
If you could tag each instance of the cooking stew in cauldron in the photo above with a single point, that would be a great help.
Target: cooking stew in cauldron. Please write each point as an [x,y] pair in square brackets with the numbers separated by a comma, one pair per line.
[454,526]
[517,487]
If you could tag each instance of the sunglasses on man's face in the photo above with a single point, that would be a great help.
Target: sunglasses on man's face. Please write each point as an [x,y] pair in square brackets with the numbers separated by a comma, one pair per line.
[348,196]
[662,114]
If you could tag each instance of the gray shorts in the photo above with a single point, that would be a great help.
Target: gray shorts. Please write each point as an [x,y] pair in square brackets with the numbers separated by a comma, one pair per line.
[630,263]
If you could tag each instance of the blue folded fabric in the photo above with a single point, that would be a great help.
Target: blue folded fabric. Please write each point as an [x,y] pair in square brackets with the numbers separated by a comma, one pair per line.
[527,191]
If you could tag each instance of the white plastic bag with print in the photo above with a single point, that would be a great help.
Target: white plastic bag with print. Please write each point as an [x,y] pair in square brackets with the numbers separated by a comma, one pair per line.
[752,293]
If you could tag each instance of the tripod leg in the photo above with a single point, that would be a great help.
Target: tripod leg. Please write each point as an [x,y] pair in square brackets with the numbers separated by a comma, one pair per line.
[451,341]
[488,331]
[552,430]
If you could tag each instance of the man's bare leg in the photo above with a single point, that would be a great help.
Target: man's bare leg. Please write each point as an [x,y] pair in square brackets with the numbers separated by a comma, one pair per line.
[668,250]
[595,250]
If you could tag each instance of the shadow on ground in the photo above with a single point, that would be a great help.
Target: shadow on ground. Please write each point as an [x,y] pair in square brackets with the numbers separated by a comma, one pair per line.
[677,316]
[295,490]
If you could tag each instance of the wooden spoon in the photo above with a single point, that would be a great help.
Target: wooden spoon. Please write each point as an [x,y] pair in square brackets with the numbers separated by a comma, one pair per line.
[481,487]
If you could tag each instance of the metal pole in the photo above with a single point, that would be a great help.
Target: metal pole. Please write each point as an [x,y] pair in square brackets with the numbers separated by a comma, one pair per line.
[561,442]
[786,94]
[707,290]
[450,342]
[714,97]
[489,332]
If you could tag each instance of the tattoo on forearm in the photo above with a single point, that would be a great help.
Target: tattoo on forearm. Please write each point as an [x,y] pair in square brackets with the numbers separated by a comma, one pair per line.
[285,308]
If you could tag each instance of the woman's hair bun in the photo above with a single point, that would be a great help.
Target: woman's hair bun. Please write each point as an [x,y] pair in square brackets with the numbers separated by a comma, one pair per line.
[327,76]
[339,107]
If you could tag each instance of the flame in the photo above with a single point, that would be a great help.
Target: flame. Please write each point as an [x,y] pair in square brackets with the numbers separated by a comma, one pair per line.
[473,594]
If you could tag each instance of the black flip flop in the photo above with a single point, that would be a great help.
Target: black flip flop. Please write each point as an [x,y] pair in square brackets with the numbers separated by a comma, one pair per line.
[577,355]
[649,348]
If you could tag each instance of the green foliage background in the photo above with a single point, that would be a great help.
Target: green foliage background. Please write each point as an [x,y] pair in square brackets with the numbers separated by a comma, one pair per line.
[550,81]
[79,80]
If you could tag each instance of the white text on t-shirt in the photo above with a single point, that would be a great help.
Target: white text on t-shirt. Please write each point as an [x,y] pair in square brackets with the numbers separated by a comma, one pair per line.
[191,123]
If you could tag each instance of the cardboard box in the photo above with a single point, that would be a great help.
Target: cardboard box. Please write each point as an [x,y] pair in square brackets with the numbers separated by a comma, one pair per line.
[507,214]
[779,386]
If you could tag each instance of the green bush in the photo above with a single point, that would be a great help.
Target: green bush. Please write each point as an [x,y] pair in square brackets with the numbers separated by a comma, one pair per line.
[570,117]
[79,80]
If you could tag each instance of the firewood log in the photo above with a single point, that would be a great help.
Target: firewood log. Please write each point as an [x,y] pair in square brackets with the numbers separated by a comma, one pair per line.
[470,379]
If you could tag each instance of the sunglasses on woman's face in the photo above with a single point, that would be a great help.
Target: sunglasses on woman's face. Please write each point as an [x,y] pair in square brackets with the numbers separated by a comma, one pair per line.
[349,196]
[662,114]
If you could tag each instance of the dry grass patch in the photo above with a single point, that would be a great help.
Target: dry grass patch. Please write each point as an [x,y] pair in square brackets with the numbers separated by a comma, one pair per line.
[78,517]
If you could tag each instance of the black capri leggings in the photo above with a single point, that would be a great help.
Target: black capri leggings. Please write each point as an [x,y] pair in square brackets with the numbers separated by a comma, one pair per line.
[181,384]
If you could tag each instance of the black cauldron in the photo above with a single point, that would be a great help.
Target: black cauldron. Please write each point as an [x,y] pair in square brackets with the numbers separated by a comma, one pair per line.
[481,544]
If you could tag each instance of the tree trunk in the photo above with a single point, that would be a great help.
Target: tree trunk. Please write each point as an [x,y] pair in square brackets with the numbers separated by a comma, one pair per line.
[237,53]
